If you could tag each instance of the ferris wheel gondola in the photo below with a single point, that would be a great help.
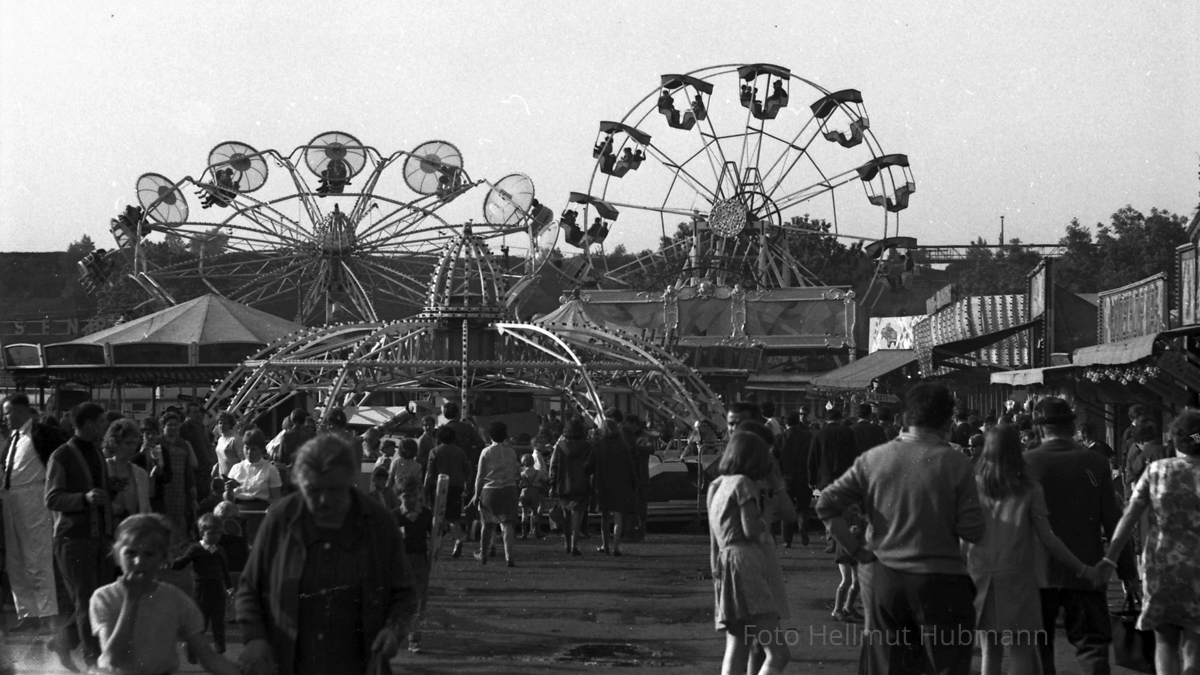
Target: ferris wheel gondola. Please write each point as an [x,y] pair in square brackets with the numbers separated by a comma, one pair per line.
[732,175]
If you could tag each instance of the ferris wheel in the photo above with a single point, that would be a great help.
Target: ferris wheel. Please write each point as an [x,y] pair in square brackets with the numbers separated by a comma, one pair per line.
[723,165]
[345,234]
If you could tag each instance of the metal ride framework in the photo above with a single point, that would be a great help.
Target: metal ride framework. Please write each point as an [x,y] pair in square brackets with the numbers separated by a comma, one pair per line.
[465,342]
[744,150]
[331,242]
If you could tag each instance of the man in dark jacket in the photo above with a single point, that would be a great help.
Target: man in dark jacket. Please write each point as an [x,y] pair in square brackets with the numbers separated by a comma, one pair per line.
[866,433]
[77,489]
[1083,512]
[833,450]
[793,464]
[196,433]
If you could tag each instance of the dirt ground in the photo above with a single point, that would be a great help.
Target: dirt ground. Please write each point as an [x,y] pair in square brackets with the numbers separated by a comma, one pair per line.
[648,611]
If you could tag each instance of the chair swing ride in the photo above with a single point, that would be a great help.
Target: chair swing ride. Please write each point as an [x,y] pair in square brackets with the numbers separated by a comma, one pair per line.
[333,240]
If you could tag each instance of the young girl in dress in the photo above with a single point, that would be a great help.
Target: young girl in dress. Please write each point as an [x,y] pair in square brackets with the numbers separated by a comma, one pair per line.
[1170,490]
[140,620]
[747,605]
[1004,565]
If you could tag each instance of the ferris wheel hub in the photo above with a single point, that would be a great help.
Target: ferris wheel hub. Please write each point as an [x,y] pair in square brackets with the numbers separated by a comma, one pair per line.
[728,217]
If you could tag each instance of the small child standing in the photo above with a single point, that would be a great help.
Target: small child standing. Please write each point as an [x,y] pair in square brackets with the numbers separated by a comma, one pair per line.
[138,619]
[532,482]
[210,577]
[416,524]
[847,590]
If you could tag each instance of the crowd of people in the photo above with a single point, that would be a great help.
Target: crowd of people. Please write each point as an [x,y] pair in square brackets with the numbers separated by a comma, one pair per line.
[943,527]
[963,534]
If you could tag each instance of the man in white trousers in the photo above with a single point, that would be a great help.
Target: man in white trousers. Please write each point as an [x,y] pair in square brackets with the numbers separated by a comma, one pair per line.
[28,528]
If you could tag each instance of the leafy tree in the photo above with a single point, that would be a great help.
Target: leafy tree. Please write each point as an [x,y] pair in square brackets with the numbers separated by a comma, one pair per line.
[75,252]
[209,244]
[985,271]
[830,261]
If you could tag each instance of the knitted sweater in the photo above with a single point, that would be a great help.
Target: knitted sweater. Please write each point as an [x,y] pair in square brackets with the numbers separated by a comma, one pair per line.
[919,497]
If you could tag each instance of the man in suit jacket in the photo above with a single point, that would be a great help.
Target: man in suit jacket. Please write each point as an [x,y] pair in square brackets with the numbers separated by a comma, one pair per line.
[1083,512]
[793,464]
[29,551]
[77,491]
[833,450]
[866,433]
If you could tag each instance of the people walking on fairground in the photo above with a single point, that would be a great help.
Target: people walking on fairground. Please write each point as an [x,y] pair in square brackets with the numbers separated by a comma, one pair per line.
[1083,512]
[416,524]
[848,589]
[496,493]
[1004,564]
[569,479]
[615,480]
[1169,490]
[532,483]
[919,496]
[138,619]
[211,583]
[746,604]
[448,458]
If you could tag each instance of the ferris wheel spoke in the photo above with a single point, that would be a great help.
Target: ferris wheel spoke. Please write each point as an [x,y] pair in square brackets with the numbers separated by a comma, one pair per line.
[802,151]
[686,176]
[806,193]
[412,212]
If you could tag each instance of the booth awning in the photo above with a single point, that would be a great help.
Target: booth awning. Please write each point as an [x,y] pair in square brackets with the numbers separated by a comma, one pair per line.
[859,374]
[1028,376]
[1116,353]
[973,344]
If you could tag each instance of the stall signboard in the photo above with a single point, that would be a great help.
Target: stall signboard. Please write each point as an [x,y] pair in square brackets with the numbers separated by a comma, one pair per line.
[1187,296]
[1135,310]
[892,332]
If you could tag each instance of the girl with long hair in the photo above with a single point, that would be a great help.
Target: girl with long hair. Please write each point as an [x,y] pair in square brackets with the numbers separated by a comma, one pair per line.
[746,602]
[1004,564]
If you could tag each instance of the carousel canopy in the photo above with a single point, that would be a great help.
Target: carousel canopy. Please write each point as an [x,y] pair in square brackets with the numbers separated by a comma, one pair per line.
[194,342]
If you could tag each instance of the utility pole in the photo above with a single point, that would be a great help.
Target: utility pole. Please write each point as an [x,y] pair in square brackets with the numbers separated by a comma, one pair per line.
[1001,230]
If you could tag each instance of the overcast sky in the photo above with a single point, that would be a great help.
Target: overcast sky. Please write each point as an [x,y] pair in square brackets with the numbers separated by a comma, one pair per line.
[1038,111]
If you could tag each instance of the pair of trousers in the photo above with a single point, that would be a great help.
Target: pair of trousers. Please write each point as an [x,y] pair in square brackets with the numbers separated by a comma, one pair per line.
[86,564]
[29,556]
[916,623]
[1086,622]
[801,496]
[210,597]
